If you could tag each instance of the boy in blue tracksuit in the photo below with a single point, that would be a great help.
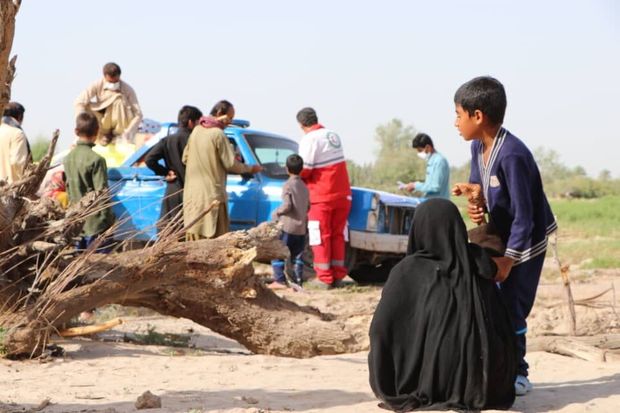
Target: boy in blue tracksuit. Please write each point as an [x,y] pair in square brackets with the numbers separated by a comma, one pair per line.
[513,198]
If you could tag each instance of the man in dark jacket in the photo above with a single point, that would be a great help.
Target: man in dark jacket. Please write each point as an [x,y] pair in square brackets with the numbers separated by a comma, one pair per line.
[170,149]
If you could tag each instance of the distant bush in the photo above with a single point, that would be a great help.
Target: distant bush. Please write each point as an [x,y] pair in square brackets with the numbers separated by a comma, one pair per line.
[562,181]
[39,148]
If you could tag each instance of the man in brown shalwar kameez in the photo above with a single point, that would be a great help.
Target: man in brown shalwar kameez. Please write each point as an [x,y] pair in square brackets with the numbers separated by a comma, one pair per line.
[208,156]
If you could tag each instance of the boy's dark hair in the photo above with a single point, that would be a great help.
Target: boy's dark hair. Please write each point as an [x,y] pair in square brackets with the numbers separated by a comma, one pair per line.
[421,140]
[86,125]
[221,108]
[188,113]
[485,94]
[112,69]
[14,110]
[294,164]
[307,117]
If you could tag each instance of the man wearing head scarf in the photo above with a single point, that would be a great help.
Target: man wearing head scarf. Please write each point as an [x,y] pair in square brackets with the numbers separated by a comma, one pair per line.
[15,152]
[441,337]
[208,156]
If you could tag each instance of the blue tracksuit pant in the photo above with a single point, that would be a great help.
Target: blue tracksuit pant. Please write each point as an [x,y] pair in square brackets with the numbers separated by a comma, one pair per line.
[519,290]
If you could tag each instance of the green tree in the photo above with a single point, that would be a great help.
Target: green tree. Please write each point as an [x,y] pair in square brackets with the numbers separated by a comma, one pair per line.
[605,175]
[549,164]
[396,160]
[560,180]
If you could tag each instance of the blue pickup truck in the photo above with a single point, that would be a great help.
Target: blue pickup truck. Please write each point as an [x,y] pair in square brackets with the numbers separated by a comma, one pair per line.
[377,227]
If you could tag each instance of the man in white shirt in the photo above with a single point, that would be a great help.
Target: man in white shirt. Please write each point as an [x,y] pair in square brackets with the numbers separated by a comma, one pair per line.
[15,153]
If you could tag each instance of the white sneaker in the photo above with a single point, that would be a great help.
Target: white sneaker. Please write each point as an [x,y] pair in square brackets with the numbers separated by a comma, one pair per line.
[522,385]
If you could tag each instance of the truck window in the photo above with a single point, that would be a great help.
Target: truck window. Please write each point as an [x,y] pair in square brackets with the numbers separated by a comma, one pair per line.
[272,152]
[238,155]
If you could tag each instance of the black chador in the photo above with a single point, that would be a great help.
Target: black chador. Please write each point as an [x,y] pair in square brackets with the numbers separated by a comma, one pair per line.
[441,337]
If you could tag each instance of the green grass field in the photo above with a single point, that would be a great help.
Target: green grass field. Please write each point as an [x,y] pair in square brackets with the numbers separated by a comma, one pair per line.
[589,230]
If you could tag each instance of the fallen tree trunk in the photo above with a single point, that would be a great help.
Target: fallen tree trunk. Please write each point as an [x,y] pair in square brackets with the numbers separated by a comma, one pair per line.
[211,282]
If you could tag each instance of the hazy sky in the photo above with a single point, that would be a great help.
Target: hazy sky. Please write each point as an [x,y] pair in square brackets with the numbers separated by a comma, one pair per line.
[358,63]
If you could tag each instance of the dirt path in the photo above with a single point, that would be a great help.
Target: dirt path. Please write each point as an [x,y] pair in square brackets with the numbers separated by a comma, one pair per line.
[97,376]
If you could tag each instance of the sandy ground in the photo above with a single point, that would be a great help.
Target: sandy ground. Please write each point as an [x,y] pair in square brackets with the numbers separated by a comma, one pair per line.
[216,374]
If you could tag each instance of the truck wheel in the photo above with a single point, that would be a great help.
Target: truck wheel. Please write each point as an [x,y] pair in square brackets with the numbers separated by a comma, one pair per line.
[351,259]
[364,273]
[371,274]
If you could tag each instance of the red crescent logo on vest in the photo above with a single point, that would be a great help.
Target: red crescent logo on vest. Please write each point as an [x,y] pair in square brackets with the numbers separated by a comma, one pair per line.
[333,139]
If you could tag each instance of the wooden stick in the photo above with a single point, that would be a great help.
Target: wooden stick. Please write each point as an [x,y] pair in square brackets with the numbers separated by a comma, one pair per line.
[566,347]
[86,330]
[570,302]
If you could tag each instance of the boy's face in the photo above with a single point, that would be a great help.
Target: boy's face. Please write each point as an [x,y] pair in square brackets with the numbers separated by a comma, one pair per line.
[468,125]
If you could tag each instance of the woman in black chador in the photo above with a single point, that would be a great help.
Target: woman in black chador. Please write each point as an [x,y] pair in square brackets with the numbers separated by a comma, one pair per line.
[441,337]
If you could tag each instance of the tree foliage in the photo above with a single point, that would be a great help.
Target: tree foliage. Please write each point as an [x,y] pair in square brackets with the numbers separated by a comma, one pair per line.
[561,180]
[395,159]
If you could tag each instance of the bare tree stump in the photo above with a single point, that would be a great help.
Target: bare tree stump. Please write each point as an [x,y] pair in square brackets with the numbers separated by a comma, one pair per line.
[8,10]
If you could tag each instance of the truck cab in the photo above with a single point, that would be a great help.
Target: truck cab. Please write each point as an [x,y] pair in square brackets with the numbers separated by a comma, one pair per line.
[138,192]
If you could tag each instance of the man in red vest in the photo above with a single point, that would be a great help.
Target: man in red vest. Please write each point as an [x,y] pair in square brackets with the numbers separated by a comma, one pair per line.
[325,175]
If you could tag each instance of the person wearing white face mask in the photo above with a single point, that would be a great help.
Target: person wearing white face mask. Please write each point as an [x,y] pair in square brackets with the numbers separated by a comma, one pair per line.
[437,181]
[115,105]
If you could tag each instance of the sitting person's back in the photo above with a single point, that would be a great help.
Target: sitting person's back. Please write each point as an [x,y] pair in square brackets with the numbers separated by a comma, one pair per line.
[441,336]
